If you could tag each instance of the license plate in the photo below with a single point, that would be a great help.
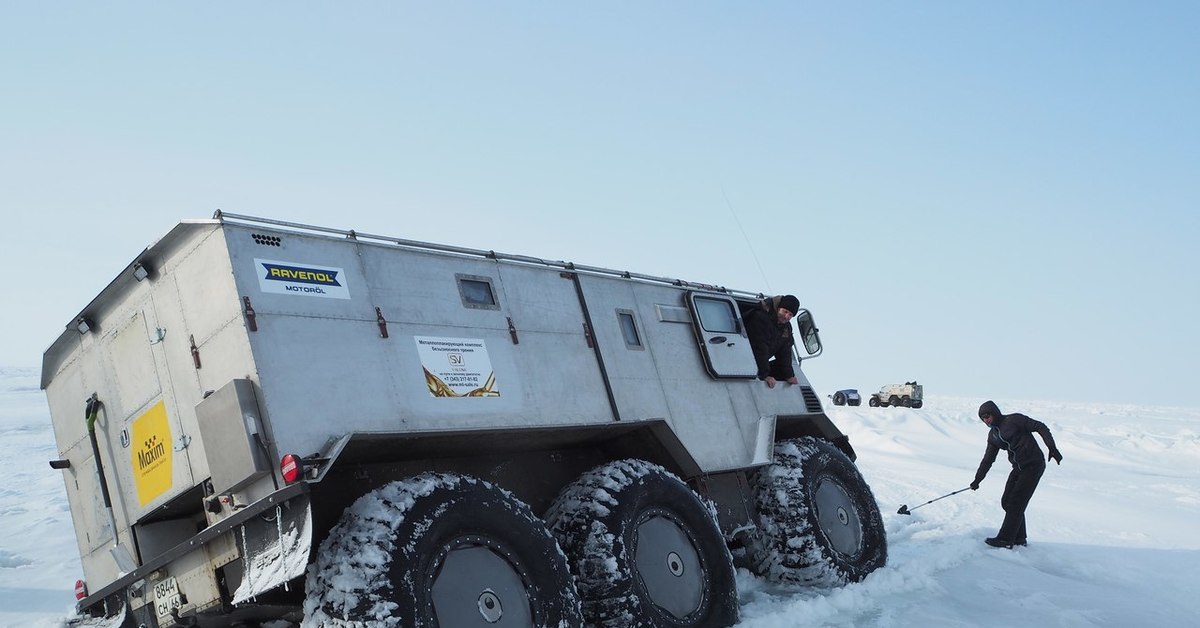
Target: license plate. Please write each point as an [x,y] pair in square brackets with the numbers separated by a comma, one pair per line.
[166,597]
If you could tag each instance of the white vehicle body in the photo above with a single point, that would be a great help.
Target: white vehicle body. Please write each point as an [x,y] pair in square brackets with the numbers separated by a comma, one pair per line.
[233,342]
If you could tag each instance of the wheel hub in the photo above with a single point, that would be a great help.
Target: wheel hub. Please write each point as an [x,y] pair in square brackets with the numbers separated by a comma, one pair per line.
[669,565]
[837,517]
[477,585]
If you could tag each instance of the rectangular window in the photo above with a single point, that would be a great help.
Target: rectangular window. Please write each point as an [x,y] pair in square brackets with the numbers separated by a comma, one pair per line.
[633,340]
[717,315]
[477,292]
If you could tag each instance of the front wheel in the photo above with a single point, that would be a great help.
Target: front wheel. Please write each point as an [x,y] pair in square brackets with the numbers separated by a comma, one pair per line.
[440,550]
[873,402]
[839,399]
[818,522]
[645,550]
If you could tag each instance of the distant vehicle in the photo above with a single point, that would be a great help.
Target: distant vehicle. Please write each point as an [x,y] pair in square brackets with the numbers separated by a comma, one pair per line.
[847,397]
[908,395]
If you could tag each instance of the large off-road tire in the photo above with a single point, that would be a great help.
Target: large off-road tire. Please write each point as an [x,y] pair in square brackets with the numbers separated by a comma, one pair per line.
[818,522]
[906,401]
[855,402]
[645,550]
[894,401]
[440,550]
[839,399]
[917,403]
[873,402]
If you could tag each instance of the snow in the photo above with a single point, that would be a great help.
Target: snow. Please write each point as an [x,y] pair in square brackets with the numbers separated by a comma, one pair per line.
[1113,534]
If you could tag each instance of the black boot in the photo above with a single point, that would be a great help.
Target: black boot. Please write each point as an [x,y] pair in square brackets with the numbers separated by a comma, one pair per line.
[996,541]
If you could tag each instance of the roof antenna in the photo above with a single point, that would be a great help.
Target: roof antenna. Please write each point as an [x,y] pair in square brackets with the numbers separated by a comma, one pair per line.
[766,282]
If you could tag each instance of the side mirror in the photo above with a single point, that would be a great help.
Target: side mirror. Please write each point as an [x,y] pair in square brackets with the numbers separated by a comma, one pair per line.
[809,335]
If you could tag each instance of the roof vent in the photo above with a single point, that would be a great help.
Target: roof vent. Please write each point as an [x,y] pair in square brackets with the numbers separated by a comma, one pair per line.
[267,240]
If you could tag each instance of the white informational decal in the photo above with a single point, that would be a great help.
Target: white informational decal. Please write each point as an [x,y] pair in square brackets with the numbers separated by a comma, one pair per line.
[301,279]
[457,367]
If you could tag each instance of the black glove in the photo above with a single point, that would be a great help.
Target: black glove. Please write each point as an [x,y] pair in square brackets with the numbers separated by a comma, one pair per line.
[1055,455]
[975,486]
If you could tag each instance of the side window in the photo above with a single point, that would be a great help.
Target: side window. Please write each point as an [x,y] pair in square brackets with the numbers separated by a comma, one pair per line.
[629,329]
[477,292]
[717,315]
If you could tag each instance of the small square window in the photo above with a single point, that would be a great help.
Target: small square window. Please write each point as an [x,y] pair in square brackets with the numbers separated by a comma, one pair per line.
[477,292]
[633,340]
[717,315]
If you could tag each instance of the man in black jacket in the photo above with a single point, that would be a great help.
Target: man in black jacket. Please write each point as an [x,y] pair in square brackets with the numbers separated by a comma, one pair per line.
[1014,433]
[769,326]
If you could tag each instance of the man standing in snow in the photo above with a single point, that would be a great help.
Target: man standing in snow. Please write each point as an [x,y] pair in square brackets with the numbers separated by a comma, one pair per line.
[1014,433]
[769,326]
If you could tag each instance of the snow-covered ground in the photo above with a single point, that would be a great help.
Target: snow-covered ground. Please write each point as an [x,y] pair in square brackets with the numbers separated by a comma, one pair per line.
[1114,533]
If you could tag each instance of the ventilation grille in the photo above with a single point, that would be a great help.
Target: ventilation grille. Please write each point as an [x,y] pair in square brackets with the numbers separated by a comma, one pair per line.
[267,240]
[811,401]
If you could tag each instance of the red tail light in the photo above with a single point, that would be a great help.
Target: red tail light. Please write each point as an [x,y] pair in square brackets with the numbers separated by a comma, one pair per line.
[291,467]
[80,589]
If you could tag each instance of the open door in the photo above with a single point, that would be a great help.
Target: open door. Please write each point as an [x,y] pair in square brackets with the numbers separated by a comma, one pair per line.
[722,336]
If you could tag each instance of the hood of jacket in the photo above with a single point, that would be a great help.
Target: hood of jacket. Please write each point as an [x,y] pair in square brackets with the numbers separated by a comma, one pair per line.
[990,407]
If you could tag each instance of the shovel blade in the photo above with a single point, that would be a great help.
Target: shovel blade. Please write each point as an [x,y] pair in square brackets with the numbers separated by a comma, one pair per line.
[903,510]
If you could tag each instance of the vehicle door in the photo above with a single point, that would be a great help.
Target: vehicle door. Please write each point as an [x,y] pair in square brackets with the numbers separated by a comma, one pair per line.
[721,336]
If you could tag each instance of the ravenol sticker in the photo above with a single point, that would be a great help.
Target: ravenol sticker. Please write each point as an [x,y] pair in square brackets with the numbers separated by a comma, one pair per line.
[302,279]
[151,453]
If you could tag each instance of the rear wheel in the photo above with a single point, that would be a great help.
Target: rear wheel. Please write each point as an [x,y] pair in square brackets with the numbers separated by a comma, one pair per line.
[894,400]
[839,399]
[645,551]
[918,403]
[818,522]
[906,401]
[440,550]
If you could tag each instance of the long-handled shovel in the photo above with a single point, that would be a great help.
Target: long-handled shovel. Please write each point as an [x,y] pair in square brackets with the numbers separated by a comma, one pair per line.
[905,510]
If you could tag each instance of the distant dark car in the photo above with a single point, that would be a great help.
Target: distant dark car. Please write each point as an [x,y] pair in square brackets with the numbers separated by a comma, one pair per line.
[847,397]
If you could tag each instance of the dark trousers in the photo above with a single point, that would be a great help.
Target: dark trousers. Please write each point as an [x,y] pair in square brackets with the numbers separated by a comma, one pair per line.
[1017,493]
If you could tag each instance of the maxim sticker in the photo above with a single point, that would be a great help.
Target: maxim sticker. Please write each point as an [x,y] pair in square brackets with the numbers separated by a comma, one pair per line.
[457,367]
[150,453]
[302,279]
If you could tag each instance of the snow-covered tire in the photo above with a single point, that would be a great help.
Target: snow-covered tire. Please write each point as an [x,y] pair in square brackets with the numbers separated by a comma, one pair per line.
[818,522]
[645,550]
[440,550]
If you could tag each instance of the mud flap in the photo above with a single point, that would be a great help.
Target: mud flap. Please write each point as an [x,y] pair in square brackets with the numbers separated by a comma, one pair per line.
[274,546]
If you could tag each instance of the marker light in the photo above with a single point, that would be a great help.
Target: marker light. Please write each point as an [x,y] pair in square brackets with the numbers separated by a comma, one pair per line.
[291,467]
[80,589]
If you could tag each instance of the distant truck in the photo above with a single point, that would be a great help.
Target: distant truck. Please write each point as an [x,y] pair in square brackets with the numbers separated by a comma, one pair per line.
[847,397]
[261,420]
[906,395]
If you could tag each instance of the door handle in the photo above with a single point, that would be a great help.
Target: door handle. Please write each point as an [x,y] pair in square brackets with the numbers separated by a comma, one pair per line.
[716,340]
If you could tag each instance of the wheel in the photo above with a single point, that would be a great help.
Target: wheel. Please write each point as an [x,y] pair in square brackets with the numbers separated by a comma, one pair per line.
[818,522]
[873,402]
[839,399]
[645,550]
[906,401]
[894,400]
[440,550]
[855,402]
[918,403]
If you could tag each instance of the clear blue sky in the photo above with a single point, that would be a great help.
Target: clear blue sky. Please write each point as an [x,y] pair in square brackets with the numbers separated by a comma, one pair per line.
[996,199]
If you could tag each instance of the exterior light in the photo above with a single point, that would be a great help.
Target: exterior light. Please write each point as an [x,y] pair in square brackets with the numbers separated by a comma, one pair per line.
[83,325]
[140,272]
[291,467]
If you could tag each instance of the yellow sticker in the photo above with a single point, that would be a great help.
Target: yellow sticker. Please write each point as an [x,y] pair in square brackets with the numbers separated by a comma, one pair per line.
[151,453]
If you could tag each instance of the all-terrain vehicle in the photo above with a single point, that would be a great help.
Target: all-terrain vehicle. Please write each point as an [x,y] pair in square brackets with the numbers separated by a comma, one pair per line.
[847,397]
[907,395]
[262,420]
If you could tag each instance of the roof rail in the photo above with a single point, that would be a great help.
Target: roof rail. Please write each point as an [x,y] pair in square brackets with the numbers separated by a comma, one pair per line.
[224,217]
